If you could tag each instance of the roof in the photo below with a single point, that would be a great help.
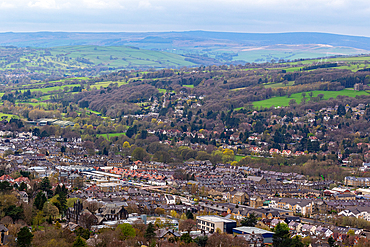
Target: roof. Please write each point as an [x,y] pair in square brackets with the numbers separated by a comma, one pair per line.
[250,230]
[3,228]
[215,218]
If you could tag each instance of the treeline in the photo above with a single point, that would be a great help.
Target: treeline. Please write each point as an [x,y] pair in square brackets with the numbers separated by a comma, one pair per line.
[317,66]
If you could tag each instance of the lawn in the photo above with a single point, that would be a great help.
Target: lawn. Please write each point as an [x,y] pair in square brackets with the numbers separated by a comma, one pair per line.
[108,136]
[104,84]
[189,86]
[239,157]
[284,100]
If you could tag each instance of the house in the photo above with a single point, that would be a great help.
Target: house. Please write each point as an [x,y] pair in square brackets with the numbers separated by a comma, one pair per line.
[211,223]
[255,202]
[170,199]
[23,196]
[308,228]
[238,197]
[4,233]
[357,182]
[257,179]
[295,226]
[112,212]
[167,234]
[80,216]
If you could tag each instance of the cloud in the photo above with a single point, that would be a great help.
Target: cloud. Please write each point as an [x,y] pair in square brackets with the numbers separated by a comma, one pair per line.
[43,4]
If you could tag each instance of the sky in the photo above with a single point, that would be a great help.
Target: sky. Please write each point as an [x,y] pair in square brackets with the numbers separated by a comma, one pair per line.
[351,17]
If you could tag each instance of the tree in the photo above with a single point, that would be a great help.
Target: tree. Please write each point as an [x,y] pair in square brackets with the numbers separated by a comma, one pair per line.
[149,233]
[189,215]
[186,238]
[201,240]
[351,232]
[281,238]
[251,220]
[187,225]
[51,209]
[296,242]
[341,110]
[5,186]
[159,211]
[139,154]
[82,232]
[22,187]
[126,144]
[331,241]
[14,212]
[292,102]
[24,237]
[258,127]
[125,231]
[79,242]
[58,225]
[45,186]
[40,200]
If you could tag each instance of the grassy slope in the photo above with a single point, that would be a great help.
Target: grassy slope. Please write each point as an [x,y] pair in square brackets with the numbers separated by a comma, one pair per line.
[110,135]
[113,57]
[284,101]
[122,56]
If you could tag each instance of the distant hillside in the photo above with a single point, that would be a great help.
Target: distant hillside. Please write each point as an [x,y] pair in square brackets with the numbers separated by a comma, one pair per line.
[194,47]
[85,60]
[177,39]
[201,47]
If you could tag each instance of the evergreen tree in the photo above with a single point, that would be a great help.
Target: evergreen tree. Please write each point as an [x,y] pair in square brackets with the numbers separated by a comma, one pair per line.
[149,233]
[189,215]
[24,237]
[79,242]
[22,187]
[45,186]
[331,241]
[296,242]
[186,238]
[40,200]
[62,202]
[341,110]
[201,241]
[251,220]
[281,238]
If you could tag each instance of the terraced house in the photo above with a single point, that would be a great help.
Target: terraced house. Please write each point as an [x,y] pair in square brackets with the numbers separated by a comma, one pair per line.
[298,206]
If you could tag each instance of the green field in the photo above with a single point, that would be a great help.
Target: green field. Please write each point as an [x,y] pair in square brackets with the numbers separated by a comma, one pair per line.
[66,60]
[7,116]
[108,136]
[238,157]
[277,85]
[48,89]
[31,103]
[102,84]
[189,86]
[284,101]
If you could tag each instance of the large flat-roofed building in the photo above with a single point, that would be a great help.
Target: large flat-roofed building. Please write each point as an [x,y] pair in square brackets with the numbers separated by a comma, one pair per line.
[246,230]
[212,222]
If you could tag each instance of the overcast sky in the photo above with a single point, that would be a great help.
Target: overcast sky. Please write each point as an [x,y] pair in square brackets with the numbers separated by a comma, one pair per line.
[333,16]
